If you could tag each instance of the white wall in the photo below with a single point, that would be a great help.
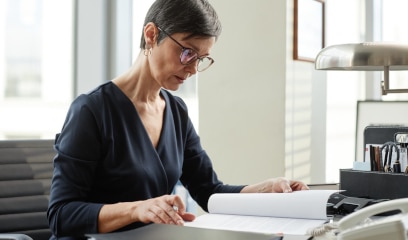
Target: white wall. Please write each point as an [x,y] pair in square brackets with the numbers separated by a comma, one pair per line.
[305,114]
[242,98]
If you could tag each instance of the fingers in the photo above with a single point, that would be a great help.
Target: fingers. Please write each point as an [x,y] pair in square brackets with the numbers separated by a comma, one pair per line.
[189,217]
[288,186]
[165,213]
[176,203]
[168,209]
[285,185]
[180,208]
[298,186]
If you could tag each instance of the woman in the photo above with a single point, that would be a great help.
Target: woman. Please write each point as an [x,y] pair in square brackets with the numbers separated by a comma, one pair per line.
[124,145]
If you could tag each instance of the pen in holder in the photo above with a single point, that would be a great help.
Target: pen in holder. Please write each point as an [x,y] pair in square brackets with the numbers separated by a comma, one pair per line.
[404,156]
[401,138]
[397,166]
[387,165]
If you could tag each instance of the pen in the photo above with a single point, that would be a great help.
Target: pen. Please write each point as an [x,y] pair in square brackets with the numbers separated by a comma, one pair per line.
[372,158]
[385,157]
[389,169]
[378,158]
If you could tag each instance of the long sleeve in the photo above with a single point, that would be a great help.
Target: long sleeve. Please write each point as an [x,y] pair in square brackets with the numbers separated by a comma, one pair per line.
[78,150]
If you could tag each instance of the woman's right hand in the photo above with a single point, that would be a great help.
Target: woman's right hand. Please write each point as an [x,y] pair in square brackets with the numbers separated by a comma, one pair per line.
[167,209]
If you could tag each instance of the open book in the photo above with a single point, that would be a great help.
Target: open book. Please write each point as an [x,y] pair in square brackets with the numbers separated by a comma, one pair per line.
[288,213]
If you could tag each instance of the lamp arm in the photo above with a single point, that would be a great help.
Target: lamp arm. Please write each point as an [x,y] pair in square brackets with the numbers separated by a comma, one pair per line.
[386,83]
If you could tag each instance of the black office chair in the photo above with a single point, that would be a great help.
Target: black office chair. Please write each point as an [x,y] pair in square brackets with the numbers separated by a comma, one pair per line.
[26,170]
[11,236]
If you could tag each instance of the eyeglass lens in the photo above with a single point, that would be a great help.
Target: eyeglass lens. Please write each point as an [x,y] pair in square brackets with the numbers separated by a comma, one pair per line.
[204,63]
[188,56]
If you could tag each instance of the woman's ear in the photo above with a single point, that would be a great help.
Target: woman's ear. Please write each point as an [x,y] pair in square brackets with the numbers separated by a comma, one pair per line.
[150,33]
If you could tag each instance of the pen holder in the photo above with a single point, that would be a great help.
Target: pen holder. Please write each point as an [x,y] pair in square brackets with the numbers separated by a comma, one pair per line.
[374,185]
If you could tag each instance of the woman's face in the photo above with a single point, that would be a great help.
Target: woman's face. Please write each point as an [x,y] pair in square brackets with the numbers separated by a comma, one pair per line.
[165,64]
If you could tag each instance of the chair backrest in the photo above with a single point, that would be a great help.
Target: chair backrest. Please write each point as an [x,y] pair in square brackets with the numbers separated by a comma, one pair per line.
[26,169]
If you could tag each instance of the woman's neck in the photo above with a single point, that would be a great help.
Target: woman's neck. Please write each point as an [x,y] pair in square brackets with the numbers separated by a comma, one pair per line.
[137,83]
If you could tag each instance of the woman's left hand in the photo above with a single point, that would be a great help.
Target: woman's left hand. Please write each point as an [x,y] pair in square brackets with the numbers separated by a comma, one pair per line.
[275,185]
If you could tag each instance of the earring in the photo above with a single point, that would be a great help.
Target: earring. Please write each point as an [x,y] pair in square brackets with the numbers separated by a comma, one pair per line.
[147,51]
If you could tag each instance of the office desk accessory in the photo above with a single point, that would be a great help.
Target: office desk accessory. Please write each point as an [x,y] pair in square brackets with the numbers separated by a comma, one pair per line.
[374,185]
[173,232]
[367,56]
[364,224]
[380,135]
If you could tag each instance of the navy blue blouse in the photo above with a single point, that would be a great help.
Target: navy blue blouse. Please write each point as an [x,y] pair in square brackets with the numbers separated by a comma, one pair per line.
[104,155]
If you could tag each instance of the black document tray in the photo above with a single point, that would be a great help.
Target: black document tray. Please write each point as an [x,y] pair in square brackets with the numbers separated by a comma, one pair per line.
[374,185]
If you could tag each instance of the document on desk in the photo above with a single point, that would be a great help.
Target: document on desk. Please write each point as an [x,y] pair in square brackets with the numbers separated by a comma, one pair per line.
[288,213]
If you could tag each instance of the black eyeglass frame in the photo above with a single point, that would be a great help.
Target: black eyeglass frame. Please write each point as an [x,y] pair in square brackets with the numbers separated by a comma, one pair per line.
[189,49]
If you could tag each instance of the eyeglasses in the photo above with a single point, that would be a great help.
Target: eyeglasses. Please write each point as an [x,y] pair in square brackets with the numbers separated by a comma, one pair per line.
[189,56]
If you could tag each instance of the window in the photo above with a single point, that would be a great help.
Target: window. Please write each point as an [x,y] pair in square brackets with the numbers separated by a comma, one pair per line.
[36,48]
[394,30]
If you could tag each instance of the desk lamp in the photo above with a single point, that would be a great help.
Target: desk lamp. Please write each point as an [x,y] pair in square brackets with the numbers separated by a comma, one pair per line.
[368,56]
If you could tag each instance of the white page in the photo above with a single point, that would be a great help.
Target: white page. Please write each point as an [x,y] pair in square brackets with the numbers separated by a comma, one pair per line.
[289,213]
[311,204]
[255,224]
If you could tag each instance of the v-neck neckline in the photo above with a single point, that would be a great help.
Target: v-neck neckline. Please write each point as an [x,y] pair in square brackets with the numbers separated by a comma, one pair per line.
[136,113]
